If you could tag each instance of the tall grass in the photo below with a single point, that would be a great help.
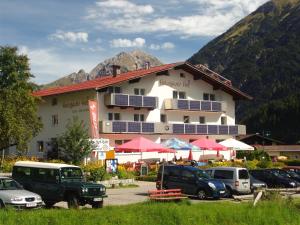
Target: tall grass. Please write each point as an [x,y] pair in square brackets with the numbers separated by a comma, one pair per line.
[267,212]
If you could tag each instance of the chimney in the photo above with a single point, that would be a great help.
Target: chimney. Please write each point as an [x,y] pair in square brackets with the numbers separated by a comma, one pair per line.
[147,65]
[116,70]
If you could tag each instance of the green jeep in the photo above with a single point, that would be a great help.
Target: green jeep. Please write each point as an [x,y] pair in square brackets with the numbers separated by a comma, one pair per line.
[58,182]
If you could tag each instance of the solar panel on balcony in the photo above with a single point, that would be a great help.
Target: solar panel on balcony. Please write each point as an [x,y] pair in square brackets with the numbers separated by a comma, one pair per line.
[194,105]
[118,127]
[216,106]
[206,105]
[135,100]
[148,127]
[190,129]
[149,102]
[201,129]
[233,130]
[223,129]
[183,104]
[121,100]
[178,128]
[212,129]
[134,127]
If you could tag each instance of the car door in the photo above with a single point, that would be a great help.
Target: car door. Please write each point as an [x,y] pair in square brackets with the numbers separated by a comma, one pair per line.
[174,178]
[189,182]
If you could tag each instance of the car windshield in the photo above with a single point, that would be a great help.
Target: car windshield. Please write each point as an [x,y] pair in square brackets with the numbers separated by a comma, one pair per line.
[71,173]
[202,174]
[9,184]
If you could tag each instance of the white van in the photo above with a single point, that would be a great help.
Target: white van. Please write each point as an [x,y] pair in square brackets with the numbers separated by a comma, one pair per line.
[236,179]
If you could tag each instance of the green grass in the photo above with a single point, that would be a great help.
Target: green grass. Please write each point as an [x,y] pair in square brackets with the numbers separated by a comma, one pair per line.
[228,213]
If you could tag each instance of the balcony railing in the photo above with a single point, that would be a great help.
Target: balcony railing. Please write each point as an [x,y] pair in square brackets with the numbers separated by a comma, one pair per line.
[170,128]
[194,105]
[136,101]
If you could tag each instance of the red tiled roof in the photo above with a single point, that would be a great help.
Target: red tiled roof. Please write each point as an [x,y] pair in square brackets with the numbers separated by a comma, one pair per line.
[103,81]
[110,80]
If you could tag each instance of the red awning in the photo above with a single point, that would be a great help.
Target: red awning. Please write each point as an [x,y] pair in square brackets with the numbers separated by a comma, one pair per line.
[208,144]
[141,144]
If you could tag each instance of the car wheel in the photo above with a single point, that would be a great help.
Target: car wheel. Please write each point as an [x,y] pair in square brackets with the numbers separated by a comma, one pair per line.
[97,205]
[73,202]
[1,204]
[49,204]
[229,192]
[201,195]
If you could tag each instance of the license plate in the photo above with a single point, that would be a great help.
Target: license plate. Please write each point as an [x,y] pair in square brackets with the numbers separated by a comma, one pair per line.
[32,204]
[222,192]
[97,199]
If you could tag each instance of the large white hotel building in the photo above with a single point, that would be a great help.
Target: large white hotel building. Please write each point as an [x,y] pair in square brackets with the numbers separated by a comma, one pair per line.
[174,100]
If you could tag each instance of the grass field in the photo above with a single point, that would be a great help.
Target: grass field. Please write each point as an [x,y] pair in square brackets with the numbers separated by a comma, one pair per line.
[268,212]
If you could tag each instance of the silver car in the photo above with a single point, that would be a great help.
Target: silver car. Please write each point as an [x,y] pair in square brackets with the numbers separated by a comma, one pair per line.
[13,194]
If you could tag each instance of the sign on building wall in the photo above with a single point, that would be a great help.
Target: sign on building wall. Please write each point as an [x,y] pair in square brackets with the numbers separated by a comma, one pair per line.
[101,144]
[93,107]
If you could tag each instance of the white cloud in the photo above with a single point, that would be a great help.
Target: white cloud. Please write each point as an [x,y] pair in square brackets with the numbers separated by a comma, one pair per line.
[118,7]
[166,45]
[70,36]
[48,65]
[206,18]
[126,43]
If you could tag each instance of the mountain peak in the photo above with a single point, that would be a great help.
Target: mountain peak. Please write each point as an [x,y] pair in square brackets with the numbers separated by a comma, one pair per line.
[128,61]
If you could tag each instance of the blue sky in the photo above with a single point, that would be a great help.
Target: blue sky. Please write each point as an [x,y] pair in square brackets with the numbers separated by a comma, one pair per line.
[63,36]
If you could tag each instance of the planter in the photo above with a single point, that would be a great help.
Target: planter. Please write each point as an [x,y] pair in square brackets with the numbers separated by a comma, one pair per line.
[116,182]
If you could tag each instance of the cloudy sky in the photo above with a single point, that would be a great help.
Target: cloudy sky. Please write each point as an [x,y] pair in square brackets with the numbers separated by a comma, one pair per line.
[63,36]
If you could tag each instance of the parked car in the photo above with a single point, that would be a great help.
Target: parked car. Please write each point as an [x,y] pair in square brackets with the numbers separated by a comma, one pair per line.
[273,179]
[13,194]
[288,174]
[295,169]
[256,184]
[236,179]
[59,182]
[191,180]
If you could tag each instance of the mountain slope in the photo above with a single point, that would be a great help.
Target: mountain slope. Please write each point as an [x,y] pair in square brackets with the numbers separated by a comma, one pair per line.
[261,55]
[127,60]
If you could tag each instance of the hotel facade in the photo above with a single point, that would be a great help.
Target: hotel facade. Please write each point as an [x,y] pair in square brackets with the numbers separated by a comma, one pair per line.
[173,100]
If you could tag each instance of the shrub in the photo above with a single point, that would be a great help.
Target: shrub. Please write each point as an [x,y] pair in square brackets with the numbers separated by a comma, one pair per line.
[96,171]
[10,161]
[146,178]
[292,163]
[264,164]
[124,174]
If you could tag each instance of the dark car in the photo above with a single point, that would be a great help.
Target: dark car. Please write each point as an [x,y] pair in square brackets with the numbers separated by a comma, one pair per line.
[256,184]
[58,182]
[273,179]
[287,174]
[192,181]
[295,169]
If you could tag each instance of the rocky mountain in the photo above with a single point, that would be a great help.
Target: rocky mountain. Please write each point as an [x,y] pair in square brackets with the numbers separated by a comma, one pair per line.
[261,55]
[128,61]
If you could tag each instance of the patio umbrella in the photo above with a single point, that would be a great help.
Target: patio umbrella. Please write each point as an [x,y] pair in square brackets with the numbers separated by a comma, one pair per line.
[236,145]
[141,144]
[209,144]
[177,144]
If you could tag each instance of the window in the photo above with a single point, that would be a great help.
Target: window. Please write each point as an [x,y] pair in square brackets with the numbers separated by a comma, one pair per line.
[113,89]
[209,97]
[138,117]
[113,116]
[223,174]
[202,120]
[174,172]
[54,101]
[223,120]
[186,119]
[40,146]
[182,75]
[54,120]
[163,118]
[243,174]
[179,95]
[139,91]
